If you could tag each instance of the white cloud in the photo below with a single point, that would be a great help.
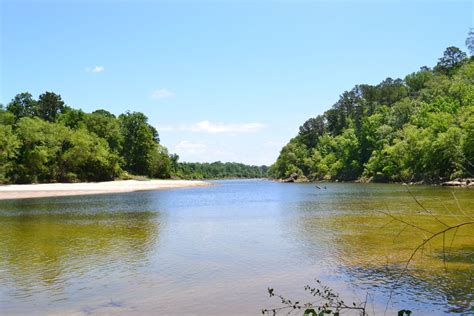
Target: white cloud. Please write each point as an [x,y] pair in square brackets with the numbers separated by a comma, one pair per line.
[214,128]
[190,147]
[161,94]
[95,69]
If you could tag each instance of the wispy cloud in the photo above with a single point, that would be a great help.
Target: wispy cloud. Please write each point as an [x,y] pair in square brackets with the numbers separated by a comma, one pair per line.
[161,94]
[190,147]
[95,69]
[214,128]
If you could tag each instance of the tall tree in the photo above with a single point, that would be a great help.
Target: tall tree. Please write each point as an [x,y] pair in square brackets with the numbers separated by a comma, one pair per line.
[420,128]
[49,106]
[452,58]
[9,145]
[23,105]
[311,130]
[105,125]
[470,41]
[139,142]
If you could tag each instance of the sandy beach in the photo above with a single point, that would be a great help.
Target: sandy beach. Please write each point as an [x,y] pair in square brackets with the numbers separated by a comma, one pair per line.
[25,191]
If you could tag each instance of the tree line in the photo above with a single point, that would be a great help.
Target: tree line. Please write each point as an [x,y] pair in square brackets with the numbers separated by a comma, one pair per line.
[420,128]
[218,170]
[44,140]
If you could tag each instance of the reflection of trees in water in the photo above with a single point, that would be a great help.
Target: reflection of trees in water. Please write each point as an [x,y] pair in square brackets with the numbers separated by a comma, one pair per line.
[47,251]
[371,251]
[451,291]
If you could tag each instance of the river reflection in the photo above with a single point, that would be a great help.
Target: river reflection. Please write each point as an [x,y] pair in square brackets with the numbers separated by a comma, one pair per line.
[56,248]
[215,250]
[371,249]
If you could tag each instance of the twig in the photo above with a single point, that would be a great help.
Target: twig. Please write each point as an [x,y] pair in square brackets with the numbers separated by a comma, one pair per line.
[425,241]
[426,210]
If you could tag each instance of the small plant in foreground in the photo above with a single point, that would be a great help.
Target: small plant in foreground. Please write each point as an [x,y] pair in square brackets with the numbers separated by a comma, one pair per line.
[328,303]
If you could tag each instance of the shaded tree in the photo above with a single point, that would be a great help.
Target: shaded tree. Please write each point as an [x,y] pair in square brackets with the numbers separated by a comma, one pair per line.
[49,106]
[470,41]
[139,142]
[9,146]
[105,125]
[399,130]
[452,58]
[312,129]
[23,105]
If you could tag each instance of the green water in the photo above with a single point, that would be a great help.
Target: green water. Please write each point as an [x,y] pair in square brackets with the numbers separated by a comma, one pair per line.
[215,250]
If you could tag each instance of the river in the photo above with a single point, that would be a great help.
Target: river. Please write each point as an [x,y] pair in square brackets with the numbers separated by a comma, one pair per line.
[216,250]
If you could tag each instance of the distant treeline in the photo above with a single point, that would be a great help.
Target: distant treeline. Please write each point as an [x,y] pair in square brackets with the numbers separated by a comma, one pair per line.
[418,128]
[217,170]
[45,140]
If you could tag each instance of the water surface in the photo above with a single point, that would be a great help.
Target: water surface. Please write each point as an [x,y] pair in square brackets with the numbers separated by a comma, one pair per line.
[215,250]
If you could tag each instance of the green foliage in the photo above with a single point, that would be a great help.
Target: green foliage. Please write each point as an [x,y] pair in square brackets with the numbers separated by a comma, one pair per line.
[139,143]
[470,41]
[87,157]
[417,80]
[9,144]
[215,170]
[159,162]
[419,128]
[452,59]
[47,141]
[106,126]
[49,106]
[23,105]
[42,143]
[328,303]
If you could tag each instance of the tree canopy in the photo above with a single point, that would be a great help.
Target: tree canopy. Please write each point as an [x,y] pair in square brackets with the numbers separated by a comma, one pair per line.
[45,140]
[418,128]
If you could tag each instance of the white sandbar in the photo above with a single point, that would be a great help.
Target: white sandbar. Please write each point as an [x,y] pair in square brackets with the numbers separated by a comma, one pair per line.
[25,191]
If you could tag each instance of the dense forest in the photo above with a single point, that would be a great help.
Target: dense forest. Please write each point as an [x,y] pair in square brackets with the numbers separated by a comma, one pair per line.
[45,140]
[218,170]
[420,128]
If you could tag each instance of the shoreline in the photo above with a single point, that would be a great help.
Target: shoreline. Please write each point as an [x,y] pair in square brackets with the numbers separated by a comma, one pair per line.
[458,182]
[29,191]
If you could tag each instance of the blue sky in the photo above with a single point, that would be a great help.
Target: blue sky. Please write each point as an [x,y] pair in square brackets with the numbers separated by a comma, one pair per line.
[221,80]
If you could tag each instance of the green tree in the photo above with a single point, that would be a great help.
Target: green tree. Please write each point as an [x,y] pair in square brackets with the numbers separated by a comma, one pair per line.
[105,125]
[139,142]
[159,163]
[399,130]
[6,117]
[42,144]
[174,158]
[9,145]
[452,59]
[87,157]
[417,80]
[23,105]
[72,118]
[311,130]
[49,106]
[470,41]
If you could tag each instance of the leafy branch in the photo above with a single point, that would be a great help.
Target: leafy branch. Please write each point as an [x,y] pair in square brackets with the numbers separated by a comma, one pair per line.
[328,303]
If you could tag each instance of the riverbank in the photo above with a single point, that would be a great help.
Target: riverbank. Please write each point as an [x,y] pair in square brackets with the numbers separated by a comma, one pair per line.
[458,182]
[25,191]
